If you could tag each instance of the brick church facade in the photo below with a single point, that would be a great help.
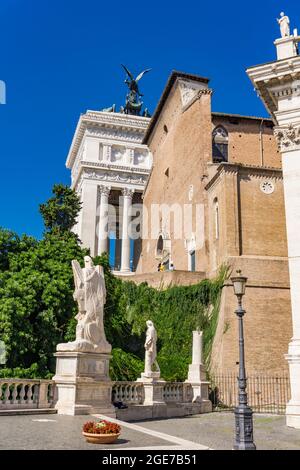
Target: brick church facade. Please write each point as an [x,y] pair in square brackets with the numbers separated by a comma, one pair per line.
[230,167]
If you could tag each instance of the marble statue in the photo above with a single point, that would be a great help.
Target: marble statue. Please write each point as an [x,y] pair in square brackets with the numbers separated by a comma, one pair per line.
[284,23]
[90,294]
[150,349]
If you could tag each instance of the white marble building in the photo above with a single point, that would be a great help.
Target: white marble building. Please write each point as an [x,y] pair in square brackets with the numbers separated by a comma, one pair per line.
[109,170]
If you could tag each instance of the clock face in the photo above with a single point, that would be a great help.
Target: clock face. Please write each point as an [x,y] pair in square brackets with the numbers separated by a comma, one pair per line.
[267,187]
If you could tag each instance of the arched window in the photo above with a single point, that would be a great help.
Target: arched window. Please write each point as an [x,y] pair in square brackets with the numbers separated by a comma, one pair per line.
[220,145]
[159,247]
[216,219]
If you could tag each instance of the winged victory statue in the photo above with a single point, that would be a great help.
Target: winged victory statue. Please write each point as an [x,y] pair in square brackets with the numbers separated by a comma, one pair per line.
[90,294]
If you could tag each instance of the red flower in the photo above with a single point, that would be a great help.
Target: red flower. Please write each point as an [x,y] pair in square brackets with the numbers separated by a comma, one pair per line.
[101,427]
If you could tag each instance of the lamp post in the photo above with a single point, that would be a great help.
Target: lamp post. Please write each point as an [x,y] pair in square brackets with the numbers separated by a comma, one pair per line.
[243,413]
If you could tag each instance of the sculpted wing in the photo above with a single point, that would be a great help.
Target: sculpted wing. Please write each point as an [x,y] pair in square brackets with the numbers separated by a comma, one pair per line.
[141,74]
[100,270]
[77,273]
[127,71]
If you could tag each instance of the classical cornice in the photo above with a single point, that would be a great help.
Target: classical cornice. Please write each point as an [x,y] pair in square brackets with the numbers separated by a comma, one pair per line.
[275,79]
[102,120]
[258,171]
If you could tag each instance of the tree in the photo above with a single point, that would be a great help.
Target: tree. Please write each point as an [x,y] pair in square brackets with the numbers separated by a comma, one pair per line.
[61,210]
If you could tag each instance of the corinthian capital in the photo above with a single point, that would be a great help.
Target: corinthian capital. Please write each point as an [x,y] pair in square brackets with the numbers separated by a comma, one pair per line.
[104,189]
[128,192]
[288,137]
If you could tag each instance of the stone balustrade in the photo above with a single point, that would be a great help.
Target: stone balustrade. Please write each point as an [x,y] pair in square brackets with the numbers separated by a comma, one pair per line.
[25,393]
[177,392]
[128,392]
[21,394]
[133,392]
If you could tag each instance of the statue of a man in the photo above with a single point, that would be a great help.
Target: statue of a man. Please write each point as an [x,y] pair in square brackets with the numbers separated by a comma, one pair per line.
[150,349]
[284,23]
[90,294]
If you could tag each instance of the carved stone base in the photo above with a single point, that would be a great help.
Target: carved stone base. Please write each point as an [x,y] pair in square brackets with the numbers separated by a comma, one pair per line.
[83,384]
[293,406]
[153,390]
[197,379]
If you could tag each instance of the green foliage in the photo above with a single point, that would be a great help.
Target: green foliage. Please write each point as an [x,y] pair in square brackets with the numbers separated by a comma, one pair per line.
[60,211]
[176,312]
[125,366]
[31,373]
[36,301]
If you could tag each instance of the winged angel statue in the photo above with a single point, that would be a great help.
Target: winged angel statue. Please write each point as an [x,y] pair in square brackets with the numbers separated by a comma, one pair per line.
[133,103]
[90,294]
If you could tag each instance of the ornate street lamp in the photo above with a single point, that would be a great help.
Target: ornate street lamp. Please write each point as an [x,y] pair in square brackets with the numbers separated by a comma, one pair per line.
[243,413]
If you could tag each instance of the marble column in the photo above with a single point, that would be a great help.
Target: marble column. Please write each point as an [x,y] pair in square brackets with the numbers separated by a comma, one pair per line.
[103,220]
[87,233]
[125,251]
[278,85]
[197,375]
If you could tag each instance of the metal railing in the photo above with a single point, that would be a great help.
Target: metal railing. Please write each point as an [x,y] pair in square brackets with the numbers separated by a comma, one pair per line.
[267,393]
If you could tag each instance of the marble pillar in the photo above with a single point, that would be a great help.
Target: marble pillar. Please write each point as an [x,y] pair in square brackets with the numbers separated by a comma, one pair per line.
[88,216]
[278,85]
[197,375]
[103,220]
[125,251]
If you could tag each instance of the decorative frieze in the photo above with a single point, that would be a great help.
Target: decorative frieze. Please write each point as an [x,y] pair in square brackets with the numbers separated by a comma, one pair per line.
[288,137]
[113,178]
[114,167]
[116,134]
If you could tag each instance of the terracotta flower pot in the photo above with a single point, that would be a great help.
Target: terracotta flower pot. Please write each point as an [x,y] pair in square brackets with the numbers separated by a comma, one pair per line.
[100,438]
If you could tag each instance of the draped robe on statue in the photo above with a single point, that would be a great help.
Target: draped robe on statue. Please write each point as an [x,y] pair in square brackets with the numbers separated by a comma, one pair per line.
[90,293]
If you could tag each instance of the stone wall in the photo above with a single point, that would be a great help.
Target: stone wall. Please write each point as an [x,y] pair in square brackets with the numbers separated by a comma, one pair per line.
[180,153]
[268,326]
[165,279]
[251,141]
[251,235]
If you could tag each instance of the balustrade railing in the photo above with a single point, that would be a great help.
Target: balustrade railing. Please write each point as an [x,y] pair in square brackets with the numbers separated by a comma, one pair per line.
[177,392]
[128,392]
[30,394]
[26,393]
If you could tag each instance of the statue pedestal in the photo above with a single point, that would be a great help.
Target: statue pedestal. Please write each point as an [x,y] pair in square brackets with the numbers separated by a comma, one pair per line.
[197,379]
[154,392]
[83,383]
[286,47]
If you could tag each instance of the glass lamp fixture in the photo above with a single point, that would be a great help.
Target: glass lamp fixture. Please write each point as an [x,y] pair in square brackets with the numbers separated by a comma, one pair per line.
[239,283]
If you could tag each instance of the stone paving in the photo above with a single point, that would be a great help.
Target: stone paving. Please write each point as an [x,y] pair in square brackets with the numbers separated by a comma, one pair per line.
[214,430]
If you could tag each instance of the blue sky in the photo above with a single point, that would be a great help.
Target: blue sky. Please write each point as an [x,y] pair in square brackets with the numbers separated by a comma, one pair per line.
[59,58]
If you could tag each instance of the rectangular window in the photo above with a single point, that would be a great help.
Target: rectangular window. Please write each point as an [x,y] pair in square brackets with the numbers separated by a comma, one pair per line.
[192,261]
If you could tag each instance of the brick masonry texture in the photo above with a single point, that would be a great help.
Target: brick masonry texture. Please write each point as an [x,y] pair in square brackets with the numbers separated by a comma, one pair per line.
[252,232]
